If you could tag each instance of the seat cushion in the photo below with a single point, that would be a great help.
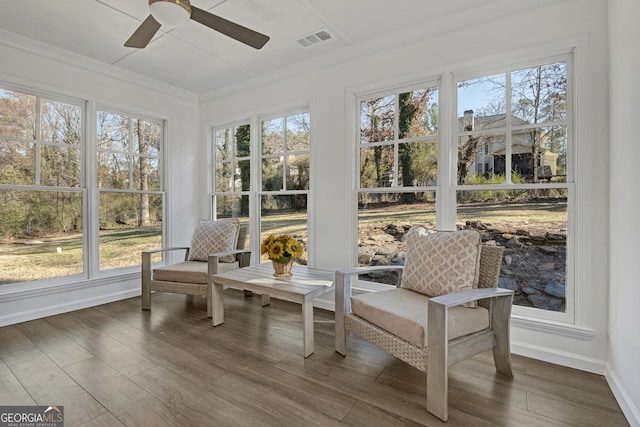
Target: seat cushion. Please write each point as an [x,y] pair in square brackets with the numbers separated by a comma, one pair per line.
[210,237]
[440,263]
[403,312]
[189,271]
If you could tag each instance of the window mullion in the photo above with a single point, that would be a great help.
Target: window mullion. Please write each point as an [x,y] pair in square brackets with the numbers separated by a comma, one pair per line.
[508,123]
[447,157]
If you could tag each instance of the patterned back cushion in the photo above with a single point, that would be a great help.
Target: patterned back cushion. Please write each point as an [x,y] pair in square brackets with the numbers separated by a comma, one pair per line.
[440,263]
[211,237]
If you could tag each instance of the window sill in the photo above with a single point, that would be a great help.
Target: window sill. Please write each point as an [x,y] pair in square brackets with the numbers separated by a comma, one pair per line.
[557,328]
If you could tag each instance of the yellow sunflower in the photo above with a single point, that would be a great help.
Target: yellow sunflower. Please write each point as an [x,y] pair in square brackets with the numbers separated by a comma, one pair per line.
[264,248]
[294,248]
[276,250]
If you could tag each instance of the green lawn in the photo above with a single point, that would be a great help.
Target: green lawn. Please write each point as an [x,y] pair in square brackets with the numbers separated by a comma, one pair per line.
[35,259]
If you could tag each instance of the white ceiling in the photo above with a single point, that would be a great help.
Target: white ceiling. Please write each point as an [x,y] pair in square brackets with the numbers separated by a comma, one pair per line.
[200,60]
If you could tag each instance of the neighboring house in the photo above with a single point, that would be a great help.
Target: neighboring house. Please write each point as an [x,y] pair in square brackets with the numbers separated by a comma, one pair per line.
[491,150]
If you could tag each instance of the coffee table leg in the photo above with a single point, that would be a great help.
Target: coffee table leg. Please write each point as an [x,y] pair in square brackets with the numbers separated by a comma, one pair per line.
[217,315]
[266,300]
[307,328]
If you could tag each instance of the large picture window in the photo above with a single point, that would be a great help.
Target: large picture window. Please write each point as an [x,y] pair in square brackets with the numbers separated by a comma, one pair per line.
[398,171]
[508,174]
[513,140]
[285,164]
[129,187]
[42,188]
[268,169]
[232,177]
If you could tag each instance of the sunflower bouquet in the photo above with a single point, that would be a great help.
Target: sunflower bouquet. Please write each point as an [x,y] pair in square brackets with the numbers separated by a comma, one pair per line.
[282,248]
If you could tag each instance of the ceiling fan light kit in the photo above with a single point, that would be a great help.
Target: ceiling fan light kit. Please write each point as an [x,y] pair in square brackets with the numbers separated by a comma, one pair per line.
[170,13]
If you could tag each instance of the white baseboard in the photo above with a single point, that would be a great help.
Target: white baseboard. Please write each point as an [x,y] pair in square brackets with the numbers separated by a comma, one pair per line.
[21,307]
[558,357]
[628,406]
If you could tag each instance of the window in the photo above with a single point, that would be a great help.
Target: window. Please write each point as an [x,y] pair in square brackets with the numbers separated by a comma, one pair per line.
[130,197]
[521,115]
[285,143]
[42,188]
[509,174]
[398,170]
[232,177]
[270,170]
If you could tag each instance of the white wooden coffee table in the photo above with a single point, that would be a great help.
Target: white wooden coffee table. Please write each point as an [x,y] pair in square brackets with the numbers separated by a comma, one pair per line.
[301,287]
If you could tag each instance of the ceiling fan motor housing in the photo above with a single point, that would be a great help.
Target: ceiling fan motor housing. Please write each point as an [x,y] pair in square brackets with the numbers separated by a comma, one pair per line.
[170,13]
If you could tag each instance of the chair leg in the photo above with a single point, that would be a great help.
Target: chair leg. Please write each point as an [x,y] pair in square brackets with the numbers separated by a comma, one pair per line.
[437,361]
[209,300]
[502,350]
[146,279]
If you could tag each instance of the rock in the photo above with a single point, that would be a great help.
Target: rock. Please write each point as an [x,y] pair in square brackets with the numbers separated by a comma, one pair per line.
[550,250]
[379,259]
[529,290]
[478,225]
[513,243]
[523,233]
[508,259]
[364,256]
[398,260]
[508,283]
[548,266]
[555,289]
[386,250]
[382,238]
[545,302]
[553,236]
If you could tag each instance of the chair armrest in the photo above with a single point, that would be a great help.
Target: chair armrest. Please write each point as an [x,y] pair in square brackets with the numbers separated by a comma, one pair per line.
[146,255]
[458,298]
[365,270]
[242,255]
[155,251]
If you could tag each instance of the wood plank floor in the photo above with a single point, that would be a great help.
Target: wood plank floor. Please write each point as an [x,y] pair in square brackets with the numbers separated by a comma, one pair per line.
[117,365]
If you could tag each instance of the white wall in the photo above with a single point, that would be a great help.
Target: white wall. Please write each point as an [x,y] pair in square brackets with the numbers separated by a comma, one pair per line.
[623,372]
[328,89]
[41,68]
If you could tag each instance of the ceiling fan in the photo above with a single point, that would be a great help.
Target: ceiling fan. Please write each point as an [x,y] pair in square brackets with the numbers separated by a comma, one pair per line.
[175,13]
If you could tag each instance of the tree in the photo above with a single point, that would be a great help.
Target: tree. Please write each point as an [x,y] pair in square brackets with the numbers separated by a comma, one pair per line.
[143,165]
[539,95]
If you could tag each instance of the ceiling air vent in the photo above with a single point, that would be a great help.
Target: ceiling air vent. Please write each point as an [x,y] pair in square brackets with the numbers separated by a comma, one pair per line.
[313,38]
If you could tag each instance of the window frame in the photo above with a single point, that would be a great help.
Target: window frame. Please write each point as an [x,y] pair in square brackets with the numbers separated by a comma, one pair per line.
[575,322]
[131,156]
[256,192]
[37,186]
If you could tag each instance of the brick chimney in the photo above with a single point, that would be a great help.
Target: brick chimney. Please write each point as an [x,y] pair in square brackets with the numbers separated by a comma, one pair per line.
[468,121]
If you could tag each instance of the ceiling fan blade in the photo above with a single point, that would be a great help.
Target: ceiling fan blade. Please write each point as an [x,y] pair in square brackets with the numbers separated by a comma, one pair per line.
[228,28]
[143,35]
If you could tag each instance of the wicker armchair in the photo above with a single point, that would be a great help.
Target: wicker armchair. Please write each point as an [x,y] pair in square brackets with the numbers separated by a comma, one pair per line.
[430,333]
[193,275]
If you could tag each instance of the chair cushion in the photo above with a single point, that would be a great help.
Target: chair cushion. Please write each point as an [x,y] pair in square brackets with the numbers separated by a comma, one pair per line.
[440,263]
[403,313]
[189,271]
[210,237]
